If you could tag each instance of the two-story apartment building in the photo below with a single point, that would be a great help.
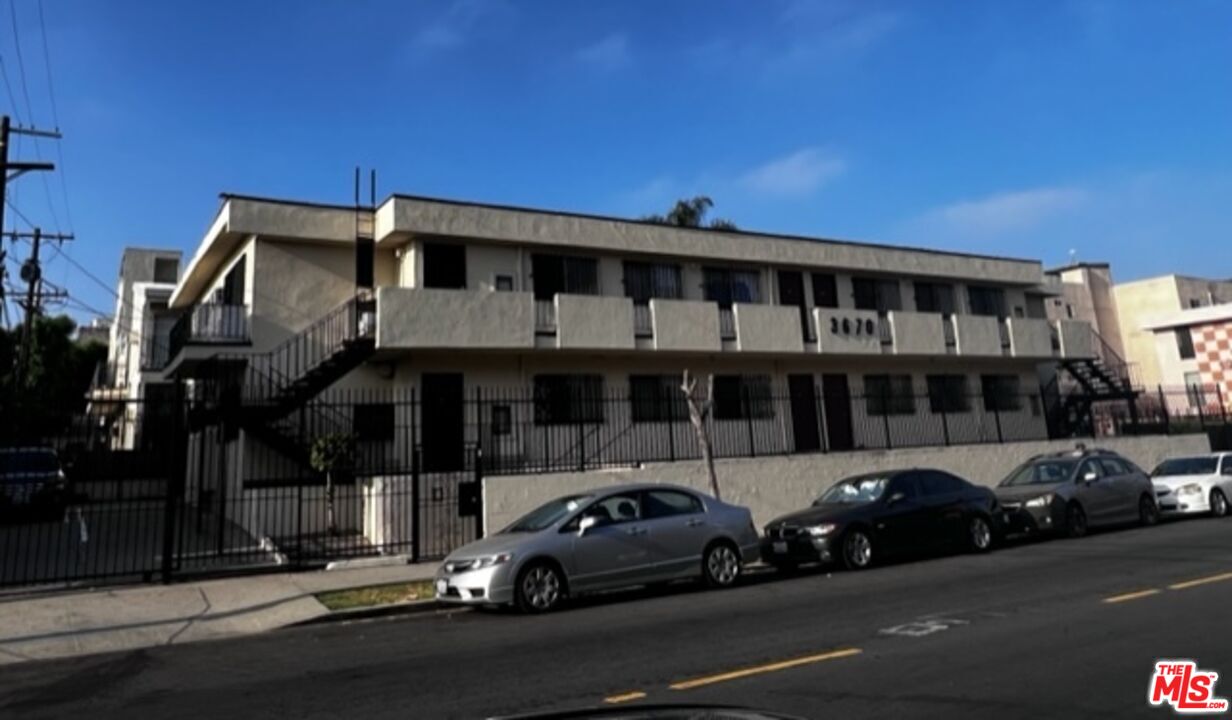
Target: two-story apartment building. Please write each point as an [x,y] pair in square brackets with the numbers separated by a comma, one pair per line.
[513,325]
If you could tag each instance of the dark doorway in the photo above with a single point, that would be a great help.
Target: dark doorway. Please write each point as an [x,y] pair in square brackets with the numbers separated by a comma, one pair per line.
[836,398]
[791,292]
[804,413]
[444,266]
[365,263]
[442,422]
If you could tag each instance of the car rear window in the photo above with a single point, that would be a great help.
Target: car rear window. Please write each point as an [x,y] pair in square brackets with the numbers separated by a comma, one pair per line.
[1186,466]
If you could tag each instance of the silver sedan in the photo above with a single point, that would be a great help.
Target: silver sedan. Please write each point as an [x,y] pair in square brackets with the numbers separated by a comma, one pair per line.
[611,538]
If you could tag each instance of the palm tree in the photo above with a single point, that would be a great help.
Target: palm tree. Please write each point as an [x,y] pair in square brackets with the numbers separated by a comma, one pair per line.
[691,213]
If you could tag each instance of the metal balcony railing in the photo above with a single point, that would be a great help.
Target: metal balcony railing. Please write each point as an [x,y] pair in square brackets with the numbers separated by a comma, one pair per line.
[545,317]
[1003,329]
[642,325]
[884,331]
[947,331]
[209,324]
[727,324]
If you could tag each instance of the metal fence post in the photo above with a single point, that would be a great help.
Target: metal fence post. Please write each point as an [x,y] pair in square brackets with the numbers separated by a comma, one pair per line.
[1197,393]
[1223,409]
[748,418]
[885,415]
[1163,408]
[671,428]
[821,421]
[479,492]
[581,431]
[416,512]
[175,477]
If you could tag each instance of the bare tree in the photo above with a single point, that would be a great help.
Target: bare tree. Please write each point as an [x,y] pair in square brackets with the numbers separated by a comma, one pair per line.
[699,411]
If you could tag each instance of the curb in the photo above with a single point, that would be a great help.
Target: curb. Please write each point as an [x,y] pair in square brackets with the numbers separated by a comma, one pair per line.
[417,607]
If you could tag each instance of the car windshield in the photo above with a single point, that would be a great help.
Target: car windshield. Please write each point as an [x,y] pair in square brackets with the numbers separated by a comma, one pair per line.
[854,491]
[548,514]
[1042,472]
[1186,466]
[28,461]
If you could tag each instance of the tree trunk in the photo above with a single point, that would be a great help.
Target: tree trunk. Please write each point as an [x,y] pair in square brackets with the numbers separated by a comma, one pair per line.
[330,522]
[699,411]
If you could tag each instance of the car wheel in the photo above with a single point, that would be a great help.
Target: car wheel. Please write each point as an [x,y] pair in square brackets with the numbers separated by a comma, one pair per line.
[540,588]
[1219,503]
[721,565]
[1075,521]
[1148,511]
[979,534]
[857,550]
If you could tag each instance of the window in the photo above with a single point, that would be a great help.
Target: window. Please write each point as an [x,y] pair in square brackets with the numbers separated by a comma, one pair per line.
[1112,466]
[1195,303]
[365,262]
[615,509]
[166,270]
[986,300]
[739,397]
[908,484]
[1090,467]
[1184,344]
[889,395]
[1194,390]
[1069,311]
[1035,307]
[444,266]
[554,274]
[669,503]
[1020,311]
[726,286]
[936,483]
[947,393]
[931,297]
[645,281]
[825,290]
[565,399]
[502,420]
[878,294]
[503,283]
[657,398]
[374,422]
[1227,465]
[1001,393]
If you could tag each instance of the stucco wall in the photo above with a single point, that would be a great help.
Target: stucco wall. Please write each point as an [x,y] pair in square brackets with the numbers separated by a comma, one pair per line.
[977,335]
[594,322]
[428,318]
[685,325]
[1172,369]
[1136,301]
[1030,337]
[917,333]
[292,285]
[776,485]
[1076,340]
[844,331]
[768,328]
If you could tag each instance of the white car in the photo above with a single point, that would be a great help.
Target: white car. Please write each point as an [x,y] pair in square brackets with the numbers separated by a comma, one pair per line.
[1194,485]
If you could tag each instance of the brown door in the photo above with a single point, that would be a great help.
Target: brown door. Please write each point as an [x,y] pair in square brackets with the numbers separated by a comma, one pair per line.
[804,427]
[836,398]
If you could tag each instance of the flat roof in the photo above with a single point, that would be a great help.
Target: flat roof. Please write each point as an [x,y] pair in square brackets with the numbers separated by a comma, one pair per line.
[1188,317]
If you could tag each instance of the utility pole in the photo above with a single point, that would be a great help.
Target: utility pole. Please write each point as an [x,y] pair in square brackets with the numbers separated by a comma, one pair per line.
[31,273]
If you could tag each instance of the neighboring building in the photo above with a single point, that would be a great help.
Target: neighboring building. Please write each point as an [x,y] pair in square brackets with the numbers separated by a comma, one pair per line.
[139,339]
[467,298]
[1193,348]
[1140,302]
[98,331]
[1085,293]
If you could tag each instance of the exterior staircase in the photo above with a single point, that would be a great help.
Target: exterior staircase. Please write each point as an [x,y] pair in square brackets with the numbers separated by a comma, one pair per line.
[1082,382]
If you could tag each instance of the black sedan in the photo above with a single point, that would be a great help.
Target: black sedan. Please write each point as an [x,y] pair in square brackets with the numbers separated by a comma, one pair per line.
[863,518]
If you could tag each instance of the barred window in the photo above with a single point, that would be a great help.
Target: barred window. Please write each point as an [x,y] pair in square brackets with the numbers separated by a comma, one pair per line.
[1001,393]
[740,397]
[657,398]
[565,399]
[725,286]
[948,394]
[889,395]
[645,281]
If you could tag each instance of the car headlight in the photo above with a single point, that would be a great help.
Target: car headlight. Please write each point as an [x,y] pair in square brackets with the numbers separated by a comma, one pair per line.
[1041,501]
[491,560]
[1189,489]
[820,530]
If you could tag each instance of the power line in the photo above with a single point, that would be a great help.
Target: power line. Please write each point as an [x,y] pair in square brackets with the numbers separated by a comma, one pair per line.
[25,91]
[55,118]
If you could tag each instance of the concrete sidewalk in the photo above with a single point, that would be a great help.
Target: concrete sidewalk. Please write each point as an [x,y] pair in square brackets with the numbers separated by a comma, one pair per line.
[52,625]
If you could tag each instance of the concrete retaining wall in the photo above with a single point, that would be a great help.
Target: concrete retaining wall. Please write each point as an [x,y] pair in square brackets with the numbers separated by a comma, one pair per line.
[772,486]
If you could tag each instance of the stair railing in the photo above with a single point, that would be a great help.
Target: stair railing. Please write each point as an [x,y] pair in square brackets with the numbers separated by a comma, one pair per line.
[1126,373]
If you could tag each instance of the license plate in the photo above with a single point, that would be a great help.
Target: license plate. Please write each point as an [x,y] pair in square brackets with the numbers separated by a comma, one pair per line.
[780,548]
[442,587]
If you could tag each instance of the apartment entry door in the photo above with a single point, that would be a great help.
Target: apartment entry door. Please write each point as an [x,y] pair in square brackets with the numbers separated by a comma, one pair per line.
[441,417]
[804,426]
[836,398]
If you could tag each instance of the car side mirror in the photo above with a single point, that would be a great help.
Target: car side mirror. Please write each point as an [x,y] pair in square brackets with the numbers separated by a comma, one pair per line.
[896,498]
[586,523]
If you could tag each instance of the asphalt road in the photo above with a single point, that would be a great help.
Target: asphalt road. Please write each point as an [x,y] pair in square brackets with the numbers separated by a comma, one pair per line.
[1023,632]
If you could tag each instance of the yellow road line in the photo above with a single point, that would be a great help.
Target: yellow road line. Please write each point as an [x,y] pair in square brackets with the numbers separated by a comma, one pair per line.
[759,669]
[1201,581]
[626,697]
[1131,596]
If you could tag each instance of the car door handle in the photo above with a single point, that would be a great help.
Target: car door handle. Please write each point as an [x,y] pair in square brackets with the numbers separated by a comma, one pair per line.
[636,531]
[695,522]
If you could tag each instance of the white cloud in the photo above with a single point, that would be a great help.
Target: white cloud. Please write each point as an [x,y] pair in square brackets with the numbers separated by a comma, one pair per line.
[799,173]
[1006,212]
[452,27]
[610,53]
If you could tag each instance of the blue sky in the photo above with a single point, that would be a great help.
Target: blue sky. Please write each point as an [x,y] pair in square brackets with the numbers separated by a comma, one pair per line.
[1020,128]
